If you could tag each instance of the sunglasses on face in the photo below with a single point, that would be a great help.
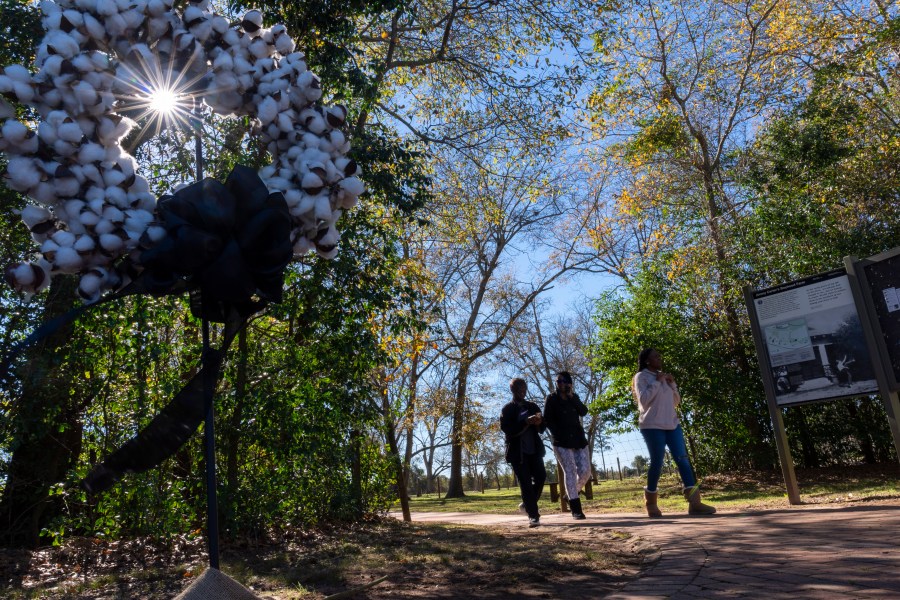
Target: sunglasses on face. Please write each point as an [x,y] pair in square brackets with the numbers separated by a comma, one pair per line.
[564,381]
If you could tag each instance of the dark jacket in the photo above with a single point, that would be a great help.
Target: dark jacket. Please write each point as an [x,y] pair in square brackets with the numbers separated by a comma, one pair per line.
[563,418]
[512,423]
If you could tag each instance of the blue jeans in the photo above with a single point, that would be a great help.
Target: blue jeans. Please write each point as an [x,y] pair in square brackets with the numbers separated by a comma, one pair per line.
[657,440]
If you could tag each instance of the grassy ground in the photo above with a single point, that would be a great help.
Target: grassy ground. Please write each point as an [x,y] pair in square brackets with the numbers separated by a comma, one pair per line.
[748,491]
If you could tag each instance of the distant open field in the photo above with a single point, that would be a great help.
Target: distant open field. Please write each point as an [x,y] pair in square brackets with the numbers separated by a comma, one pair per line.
[741,491]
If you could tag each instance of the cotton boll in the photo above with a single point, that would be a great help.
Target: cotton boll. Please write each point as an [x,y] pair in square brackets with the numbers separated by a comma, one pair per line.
[68,260]
[352,185]
[278,184]
[137,220]
[64,148]
[85,93]
[22,173]
[24,92]
[107,8]
[152,236]
[307,203]
[47,129]
[91,173]
[337,139]
[94,28]
[59,42]
[326,252]
[156,8]
[104,226]
[70,132]
[84,245]
[66,187]
[133,19]
[223,62]
[232,38]
[91,152]
[322,207]
[49,8]
[35,215]
[331,238]
[158,27]
[49,249]
[260,49]
[90,286]
[312,183]
[65,239]
[73,208]
[112,243]
[43,193]
[336,115]
[219,24]
[17,73]
[74,18]
[6,84]
[252,22]
[345,165]
[14,132]
[301,246]
[113,177]
[292,197]
[312,120]
[21,276]
[51,67]
[89,219]
[111,130]
[284,44]
[117,196]
[113,215]
[267,110]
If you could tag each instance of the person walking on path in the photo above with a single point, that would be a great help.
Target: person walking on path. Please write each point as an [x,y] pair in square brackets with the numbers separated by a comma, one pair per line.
[657,398]
[522,423]
[563,411]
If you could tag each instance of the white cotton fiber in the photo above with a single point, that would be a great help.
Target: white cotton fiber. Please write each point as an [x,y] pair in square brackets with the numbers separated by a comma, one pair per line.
[352,185]
[23,174]
[68,260]
[91,152]
[267,110]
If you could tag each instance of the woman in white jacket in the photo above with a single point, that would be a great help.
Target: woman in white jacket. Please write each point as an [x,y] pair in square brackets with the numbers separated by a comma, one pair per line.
[657,397]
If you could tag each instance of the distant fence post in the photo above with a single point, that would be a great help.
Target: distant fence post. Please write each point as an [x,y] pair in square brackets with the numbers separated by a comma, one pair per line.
[619,464]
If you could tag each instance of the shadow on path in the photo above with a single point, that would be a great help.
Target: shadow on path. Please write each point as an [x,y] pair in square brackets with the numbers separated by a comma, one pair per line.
[808,552]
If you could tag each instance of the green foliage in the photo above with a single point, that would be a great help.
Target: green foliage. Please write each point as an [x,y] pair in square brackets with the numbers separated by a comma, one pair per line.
[716,397]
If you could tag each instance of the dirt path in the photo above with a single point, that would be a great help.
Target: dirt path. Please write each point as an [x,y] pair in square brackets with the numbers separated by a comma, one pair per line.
[817,553]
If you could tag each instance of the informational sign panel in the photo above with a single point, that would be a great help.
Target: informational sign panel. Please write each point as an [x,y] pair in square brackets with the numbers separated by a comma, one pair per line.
[882,278]
[815,348]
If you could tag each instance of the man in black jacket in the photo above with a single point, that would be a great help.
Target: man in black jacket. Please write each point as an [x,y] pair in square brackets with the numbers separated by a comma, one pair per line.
[523,425]
[563,411]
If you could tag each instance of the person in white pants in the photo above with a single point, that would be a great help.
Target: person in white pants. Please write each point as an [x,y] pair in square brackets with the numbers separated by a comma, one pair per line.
[563,411]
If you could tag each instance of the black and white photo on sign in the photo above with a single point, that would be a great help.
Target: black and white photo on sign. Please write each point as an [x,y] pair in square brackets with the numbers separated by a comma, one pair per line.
[815,342]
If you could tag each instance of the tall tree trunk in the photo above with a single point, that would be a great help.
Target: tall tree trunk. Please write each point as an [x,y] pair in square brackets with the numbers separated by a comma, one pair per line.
[356,487]
[47,429]
[391,434]
[758,451]
[455,485]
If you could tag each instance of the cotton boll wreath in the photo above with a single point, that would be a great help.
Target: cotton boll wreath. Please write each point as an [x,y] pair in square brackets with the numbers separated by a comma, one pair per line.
[93,213]
[103,62]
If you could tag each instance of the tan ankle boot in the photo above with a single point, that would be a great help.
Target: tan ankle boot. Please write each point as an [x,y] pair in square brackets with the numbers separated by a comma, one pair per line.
[695,504]
[650,499]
